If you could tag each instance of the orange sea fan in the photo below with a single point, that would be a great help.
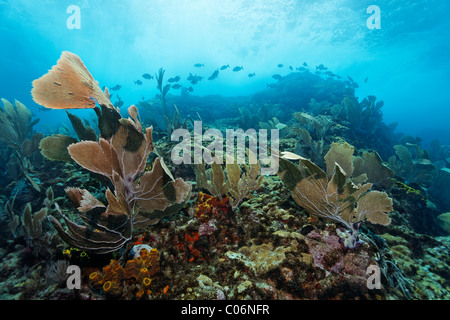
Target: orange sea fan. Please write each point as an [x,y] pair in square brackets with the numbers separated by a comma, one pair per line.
[69,85]
[99,157]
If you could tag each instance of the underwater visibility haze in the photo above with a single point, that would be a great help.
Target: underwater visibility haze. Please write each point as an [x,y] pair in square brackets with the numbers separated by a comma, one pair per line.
[215,150]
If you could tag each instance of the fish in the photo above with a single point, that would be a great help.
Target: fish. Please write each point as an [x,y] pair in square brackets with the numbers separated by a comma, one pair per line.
[277,76]
[300,69]
[224,67]
[366,79]
[194,79]
[170,80]
[251,75]
[350,78]
[147,76]
[116,87]
[290,68]
[321,67]
[198,65]
[138,82]
[176,79]
[176,86]
[214,75]
[280,65]
[305,64]
[118,103]
[235,69]
[190,89]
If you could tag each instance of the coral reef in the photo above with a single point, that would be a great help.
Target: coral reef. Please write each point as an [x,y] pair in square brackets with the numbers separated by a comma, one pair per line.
[236,185]
[16,126]
[137,199]
[140,233]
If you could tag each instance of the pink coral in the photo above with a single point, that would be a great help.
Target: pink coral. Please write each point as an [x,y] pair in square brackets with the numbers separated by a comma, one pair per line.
[329,254]
[207,228]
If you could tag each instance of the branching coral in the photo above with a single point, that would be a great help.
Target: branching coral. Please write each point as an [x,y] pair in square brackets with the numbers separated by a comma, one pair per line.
[16,125]
[242,185]
[175,122]
[312,133]
[318,108]
[236,185]
[32,225]
[417,169]
[364,116]
[337,198]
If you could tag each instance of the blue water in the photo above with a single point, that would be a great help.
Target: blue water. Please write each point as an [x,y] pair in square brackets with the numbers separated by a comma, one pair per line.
[405,61]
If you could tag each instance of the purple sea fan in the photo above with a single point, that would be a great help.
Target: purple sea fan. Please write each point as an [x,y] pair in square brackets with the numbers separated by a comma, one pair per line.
[207,228]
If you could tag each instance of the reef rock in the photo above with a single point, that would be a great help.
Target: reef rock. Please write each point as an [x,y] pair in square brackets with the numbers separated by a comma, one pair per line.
[262,258]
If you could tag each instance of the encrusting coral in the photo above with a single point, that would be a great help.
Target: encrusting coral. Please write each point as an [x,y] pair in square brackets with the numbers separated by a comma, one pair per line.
[336,198]
[139,198]
[133,278]
[207,204]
